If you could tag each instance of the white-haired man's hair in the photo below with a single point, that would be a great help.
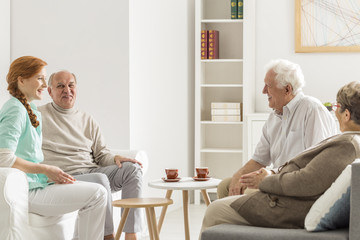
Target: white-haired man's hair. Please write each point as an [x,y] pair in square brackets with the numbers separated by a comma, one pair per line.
[287,73]
[52,77]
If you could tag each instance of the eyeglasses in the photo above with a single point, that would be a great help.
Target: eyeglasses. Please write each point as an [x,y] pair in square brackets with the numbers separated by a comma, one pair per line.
[335,106]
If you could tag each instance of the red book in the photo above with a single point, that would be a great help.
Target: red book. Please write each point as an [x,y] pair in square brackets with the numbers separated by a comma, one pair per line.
[204,44]
[213,44]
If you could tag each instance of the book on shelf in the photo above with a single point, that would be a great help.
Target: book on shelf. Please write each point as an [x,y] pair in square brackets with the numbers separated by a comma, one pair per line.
[225,111]
[234,9]
[204,44]
[240,9]
[227,118]
[225,105]
[213,44]
[237,9]
[209,44]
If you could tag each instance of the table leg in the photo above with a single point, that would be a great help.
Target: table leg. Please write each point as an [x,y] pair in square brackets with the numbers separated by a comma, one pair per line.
[122,223]
[186,213]
[150,227]
[153,223]
[205,196]
[163,211]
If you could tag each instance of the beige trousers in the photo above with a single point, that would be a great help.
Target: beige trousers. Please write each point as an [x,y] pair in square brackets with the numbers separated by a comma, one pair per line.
[219,212]
[223,188]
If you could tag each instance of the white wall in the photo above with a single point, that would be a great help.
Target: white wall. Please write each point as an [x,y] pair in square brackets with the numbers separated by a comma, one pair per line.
[324,73]
[89,38]
[4,47]
[162,85]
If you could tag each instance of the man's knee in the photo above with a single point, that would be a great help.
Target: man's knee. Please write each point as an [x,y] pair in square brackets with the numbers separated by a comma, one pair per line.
[223,188]
[132,169]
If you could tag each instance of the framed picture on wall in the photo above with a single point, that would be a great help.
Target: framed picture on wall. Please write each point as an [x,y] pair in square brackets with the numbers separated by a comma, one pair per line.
[327,25]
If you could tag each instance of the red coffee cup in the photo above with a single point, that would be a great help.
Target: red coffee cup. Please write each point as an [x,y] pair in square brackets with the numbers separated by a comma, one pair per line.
[202,172]
[171,173]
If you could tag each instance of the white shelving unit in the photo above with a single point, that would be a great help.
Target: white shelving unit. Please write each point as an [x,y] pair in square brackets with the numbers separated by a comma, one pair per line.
[220,145]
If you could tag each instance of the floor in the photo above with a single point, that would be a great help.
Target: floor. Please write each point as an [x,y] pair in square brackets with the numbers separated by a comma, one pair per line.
[173,226]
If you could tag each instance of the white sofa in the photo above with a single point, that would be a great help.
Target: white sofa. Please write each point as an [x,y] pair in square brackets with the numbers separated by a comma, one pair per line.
[16,223]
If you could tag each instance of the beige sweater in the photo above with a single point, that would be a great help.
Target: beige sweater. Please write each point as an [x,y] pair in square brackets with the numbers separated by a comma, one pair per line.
[72,140]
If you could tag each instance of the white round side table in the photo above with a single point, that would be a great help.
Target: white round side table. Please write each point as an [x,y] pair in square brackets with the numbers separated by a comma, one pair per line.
[185,184]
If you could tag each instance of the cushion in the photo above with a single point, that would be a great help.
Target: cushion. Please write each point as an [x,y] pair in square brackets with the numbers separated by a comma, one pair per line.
[332,209]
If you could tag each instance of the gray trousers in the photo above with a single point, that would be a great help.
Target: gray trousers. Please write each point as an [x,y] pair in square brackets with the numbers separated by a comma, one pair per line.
[129,180]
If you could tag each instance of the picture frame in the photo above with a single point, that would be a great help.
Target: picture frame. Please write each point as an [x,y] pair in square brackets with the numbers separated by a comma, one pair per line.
[327,26]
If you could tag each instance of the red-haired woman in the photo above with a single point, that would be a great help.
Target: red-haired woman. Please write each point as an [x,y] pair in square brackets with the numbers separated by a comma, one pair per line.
[20,147]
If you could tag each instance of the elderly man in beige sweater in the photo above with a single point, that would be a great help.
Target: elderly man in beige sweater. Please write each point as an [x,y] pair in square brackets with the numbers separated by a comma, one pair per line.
[72,140]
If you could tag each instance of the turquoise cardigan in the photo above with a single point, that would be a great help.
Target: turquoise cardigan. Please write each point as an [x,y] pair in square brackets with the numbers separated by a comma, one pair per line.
[18,135]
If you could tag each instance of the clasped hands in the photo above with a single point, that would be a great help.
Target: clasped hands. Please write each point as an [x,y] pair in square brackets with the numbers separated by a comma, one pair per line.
[249,180]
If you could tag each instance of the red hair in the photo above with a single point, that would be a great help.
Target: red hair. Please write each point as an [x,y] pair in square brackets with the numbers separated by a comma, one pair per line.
[25,67]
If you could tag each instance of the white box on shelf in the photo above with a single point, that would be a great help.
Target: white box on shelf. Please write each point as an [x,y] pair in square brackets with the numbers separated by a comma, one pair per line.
[225,105]
[226,118]
[225,111]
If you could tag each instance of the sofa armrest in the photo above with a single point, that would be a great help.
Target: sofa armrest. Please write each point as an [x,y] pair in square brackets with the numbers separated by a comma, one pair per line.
[139,155]
[14,190]
[354,227]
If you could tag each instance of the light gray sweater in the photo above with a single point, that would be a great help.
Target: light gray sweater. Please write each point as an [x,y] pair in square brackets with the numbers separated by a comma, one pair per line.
[72,140]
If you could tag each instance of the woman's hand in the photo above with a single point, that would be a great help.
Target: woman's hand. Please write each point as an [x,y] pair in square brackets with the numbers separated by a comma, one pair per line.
[253,179]
[57,175]
[54,174]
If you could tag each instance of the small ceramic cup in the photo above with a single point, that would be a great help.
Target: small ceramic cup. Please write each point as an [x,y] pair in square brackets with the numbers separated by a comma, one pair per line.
[202,172]
[171,173]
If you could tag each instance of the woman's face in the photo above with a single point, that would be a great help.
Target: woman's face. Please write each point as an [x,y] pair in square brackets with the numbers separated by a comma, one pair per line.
[33,87]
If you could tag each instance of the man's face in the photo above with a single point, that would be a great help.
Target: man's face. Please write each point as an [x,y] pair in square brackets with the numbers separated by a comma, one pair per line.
[277,96]
[63,90]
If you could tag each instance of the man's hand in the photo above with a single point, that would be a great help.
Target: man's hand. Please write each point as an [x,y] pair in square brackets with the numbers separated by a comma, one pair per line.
[253,179]
[236,187]
[119,160]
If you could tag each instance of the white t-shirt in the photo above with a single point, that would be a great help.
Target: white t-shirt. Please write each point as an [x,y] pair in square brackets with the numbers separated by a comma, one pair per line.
[304,123]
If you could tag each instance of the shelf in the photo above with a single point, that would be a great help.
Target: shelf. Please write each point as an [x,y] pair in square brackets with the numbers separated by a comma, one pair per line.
[222,85]
[212,190]
[222,21]
[221,60]
[221,150]
[224,123]
[226,79]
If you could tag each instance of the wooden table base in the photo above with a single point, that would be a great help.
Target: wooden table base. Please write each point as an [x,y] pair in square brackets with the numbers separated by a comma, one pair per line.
[185,209]
[148,204]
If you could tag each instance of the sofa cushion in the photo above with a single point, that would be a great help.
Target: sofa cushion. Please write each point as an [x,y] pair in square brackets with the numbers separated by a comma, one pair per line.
[239,232]
[332,209]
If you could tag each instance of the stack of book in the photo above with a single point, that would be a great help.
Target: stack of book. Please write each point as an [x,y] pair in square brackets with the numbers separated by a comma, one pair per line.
[226,112]
[237,9]
[209,44]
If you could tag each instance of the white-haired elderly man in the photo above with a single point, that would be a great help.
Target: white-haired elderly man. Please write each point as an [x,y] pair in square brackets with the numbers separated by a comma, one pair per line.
[296,123]
[72,140]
